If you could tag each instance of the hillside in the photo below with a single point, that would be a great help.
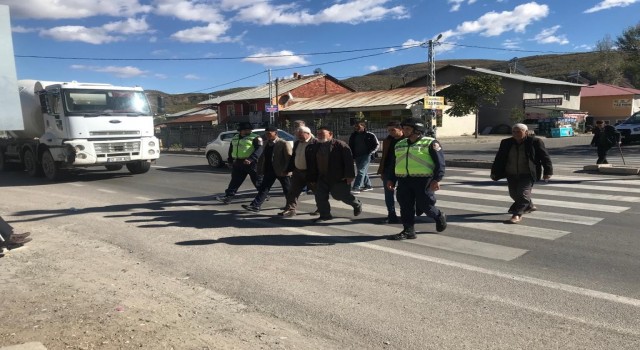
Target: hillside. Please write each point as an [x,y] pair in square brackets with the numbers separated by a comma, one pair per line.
[558,67]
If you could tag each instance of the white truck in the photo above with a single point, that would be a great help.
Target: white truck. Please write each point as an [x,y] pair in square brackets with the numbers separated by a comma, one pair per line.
[78,125]
[630,128]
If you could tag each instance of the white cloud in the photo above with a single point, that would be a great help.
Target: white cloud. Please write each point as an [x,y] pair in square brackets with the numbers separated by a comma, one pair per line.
[120,72]
[94,36]
[276,59]
[353,11]
[455,4]
[73,9]
[195,10]
[494,23]
[98,35]
[583,47]
[548,36]
[372,68]
[162,52]
[192,77]
[161,76]
[213,33]
[607,4]
[21,29]
[511,44]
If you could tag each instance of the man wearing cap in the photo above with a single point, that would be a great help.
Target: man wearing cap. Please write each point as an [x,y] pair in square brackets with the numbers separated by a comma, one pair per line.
[273,164]
[520,159]
[419,168]
[244,152]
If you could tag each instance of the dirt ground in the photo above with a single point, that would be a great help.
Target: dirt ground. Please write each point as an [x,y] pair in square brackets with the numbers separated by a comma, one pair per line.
[70,292]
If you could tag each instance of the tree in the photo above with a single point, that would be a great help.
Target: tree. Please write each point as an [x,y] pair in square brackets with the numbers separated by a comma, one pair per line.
[472,93]
[629,43]
[609,69]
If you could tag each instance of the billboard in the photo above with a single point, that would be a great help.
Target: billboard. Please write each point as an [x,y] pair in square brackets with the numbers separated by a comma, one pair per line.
[11,112]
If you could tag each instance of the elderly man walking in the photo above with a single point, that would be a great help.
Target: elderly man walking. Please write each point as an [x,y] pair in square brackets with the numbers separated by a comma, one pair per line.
[298,167]
[521,159]
[331,170]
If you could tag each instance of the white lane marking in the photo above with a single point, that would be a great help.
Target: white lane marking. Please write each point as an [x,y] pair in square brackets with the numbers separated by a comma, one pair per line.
[518,230]
[589,293]
[479,208]
[76,184]
[106,191]
[541,190]
[596,179]
[144,199]
[593,186]
[549,202]
[453,244]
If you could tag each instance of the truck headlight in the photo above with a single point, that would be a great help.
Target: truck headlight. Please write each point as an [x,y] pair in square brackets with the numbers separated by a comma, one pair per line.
[152,152]
[81,156]
[152,144]
[79,148]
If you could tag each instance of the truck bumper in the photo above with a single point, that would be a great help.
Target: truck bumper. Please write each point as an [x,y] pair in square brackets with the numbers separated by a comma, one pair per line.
[95,153]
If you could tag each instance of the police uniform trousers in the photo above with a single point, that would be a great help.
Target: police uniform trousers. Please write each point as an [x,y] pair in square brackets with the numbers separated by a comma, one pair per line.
[239,172]
[414,195]
[340,191]
[520,191]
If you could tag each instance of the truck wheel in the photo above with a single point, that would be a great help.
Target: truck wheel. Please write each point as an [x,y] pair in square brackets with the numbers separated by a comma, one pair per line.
[113,167]
[50,167]
[215,160]
[139,167]
[31,165]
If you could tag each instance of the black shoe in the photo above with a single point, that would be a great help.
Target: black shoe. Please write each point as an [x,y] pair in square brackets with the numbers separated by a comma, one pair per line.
[407,233]
[392,219]
[224,199]
[419,212]
[250,207]
[322,219]
[441,222]
[357,210]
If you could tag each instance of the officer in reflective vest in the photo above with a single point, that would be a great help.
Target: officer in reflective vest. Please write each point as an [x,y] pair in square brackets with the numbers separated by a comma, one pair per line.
[419,168]
[244,152]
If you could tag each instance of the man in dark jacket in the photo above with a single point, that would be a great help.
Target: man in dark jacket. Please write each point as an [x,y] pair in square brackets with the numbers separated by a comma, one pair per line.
[330,171]
[273,164]
[244,151]
[385,169]
[604,137]
[521,159]
[364,145]
[298,168]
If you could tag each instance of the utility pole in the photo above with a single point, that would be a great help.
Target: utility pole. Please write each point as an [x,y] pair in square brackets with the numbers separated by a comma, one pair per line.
[431,88]
[270,100]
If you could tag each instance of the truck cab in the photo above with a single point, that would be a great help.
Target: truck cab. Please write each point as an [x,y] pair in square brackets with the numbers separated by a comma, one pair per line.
[630,129]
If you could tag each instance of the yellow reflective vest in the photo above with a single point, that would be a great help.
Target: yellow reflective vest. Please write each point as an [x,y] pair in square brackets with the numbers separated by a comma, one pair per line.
[242,147]
[414,159]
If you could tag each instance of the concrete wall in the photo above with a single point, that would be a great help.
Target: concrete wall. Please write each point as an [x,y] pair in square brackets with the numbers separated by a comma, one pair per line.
[602,107]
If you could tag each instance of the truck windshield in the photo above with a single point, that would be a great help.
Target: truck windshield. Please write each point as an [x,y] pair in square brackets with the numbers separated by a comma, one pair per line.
[106,102]
[634,119]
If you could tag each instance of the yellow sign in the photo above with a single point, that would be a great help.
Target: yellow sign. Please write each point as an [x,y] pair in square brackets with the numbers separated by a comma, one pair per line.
[434,102]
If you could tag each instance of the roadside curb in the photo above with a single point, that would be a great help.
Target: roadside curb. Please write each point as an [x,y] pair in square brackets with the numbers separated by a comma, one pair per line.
[610,169]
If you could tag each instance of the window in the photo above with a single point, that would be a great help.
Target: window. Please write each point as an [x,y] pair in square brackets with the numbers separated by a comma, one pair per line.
[231,111]
[566,95]
[253,107]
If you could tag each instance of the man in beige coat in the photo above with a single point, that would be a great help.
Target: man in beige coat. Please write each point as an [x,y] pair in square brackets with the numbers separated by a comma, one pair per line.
[272,165]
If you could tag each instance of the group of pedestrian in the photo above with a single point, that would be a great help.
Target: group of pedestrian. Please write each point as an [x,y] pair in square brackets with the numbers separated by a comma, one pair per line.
[332,168]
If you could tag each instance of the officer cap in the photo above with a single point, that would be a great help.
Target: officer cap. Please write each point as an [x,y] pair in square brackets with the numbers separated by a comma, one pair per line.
[416,123]
[245,126]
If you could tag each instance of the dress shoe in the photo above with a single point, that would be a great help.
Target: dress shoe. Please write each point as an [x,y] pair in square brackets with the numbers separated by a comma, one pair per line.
[441,222]
[251,208]
[14,241]
[406,233]
[357,210]
[288,213]
[514,220]
[322,219]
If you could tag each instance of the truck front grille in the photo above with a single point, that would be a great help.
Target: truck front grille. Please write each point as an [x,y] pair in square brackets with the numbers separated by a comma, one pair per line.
[115,133]
[117,147]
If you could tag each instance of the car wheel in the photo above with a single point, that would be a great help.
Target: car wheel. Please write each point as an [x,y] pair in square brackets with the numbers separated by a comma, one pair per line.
[50,167]
[214,159]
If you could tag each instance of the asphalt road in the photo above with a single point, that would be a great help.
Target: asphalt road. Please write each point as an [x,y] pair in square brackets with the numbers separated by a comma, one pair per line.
[567,278]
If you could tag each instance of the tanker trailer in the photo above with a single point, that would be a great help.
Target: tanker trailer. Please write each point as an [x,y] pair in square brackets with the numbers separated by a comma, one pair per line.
[79,125]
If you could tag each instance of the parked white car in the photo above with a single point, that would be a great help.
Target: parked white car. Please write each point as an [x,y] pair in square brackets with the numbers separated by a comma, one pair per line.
[218,149]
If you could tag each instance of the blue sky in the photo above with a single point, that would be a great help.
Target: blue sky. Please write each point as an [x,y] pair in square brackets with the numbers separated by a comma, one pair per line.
[183,46]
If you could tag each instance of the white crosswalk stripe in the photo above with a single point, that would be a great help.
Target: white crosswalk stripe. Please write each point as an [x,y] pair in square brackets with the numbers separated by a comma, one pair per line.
[461,195]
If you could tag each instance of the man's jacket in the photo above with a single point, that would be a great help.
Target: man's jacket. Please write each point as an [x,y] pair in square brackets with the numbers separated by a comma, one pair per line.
[340,162]
[536,154]
[280,157]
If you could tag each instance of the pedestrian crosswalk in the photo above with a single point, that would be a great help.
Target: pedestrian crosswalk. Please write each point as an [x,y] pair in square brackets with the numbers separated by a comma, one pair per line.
[576,163]
[476,208]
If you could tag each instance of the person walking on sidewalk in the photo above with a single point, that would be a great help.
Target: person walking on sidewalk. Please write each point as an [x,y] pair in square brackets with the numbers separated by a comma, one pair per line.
[386,169]
[9,239]
[298,168]
[364,145]
[521,159]
[604,137]
[331,169]
[272,165]
[419,167]
[244,152]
